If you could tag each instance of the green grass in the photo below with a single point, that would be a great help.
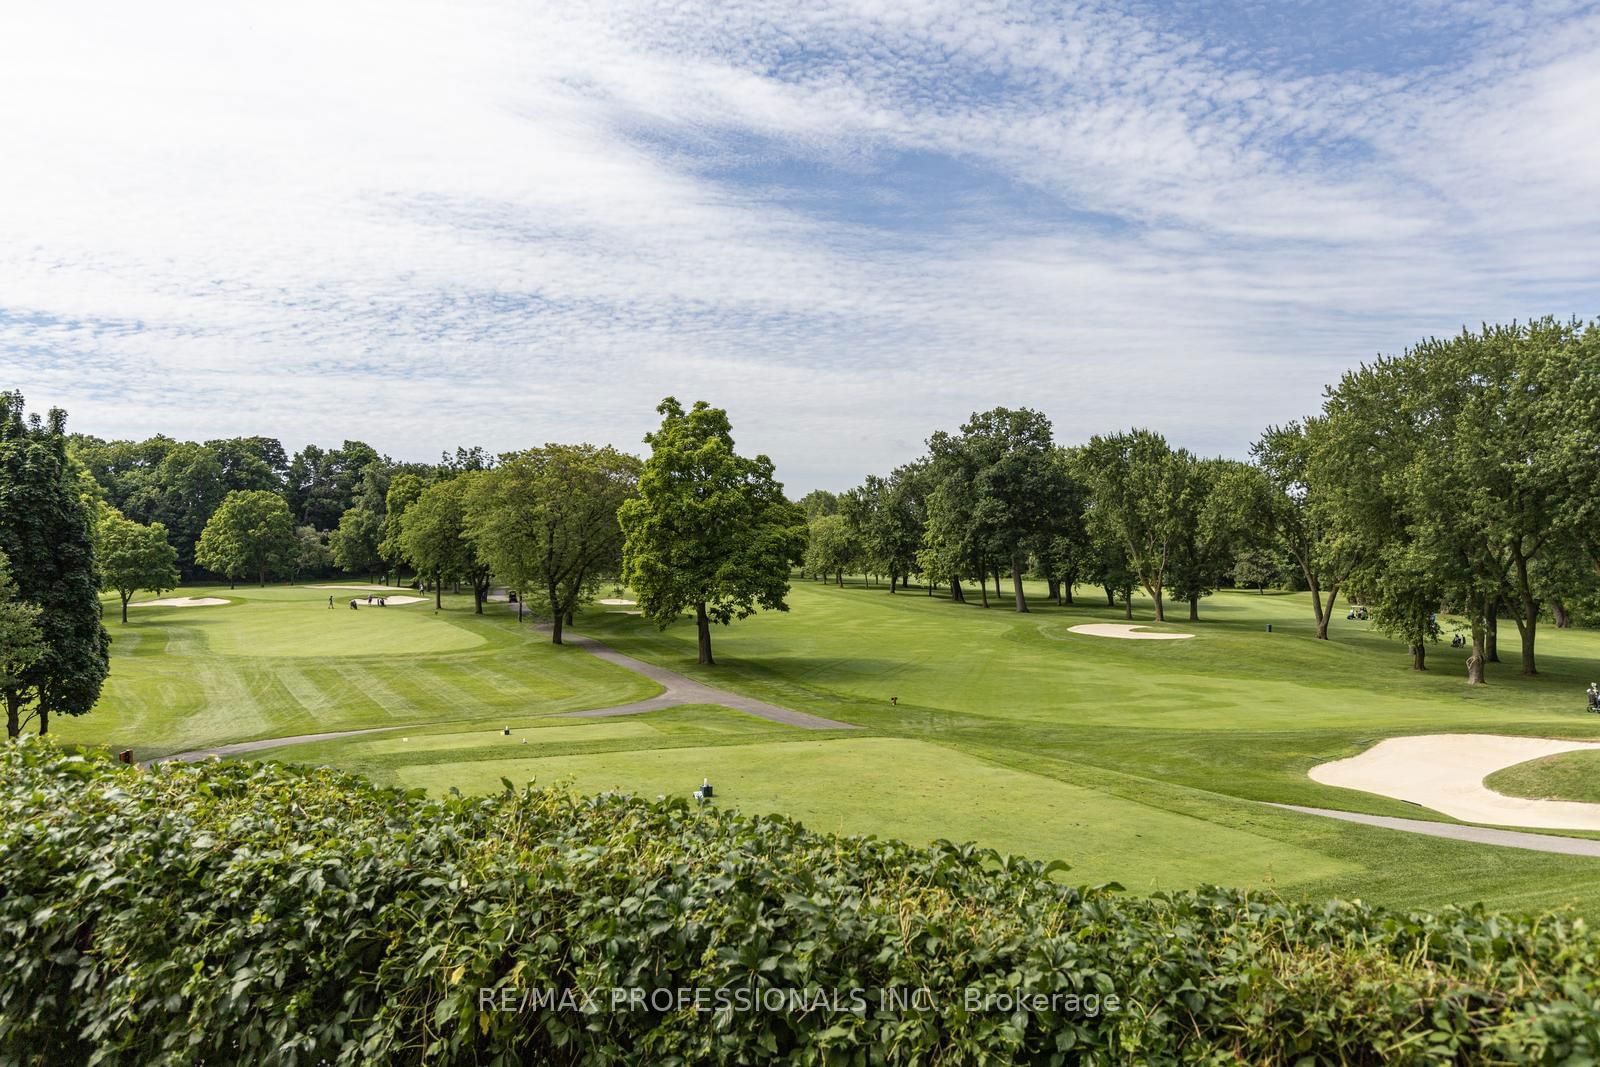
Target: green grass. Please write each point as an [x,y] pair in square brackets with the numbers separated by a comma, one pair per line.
[1142,762]
[276,662]
[1564,776]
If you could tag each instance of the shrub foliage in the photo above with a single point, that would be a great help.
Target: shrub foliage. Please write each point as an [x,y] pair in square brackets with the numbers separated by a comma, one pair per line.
[243,913]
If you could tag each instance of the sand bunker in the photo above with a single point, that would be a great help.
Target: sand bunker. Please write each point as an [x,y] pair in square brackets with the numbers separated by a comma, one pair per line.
[374,588]
[623,611]
[1445,772]
[180,602]
[391,600]
[1124,631]
[618,603]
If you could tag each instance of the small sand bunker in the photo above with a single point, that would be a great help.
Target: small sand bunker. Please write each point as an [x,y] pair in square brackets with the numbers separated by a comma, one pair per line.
[1445,772]
[1126,632]
[623,611]
[391,600]
[180,602]
[614,602]
[374,588]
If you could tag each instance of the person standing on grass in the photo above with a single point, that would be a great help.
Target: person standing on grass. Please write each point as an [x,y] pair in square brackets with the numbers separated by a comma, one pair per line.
[330,601]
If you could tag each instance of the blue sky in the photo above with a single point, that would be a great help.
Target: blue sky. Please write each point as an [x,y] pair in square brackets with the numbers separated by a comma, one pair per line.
[849,223]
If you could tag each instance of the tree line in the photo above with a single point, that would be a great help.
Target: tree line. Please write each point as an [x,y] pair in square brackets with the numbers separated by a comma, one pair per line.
[694,527]
[1459,478]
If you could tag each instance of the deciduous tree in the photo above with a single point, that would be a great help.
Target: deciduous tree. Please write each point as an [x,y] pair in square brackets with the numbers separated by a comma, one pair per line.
[709,529]
[134,556]
[46,535]
[250,535]
[545,522]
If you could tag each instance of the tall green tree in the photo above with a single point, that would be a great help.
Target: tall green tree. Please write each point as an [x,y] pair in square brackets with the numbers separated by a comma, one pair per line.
[1137,485]
[1215,527]
[434,538]
[133,557]
[709,529]
[404,488]
[1288,511]
[311,554]
[354,545]
[250,535]
[999,487]
[545,522]
[1462,465]
[46,534]
[831,547]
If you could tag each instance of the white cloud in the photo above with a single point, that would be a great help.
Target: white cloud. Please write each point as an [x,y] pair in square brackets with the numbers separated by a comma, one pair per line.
[426,225]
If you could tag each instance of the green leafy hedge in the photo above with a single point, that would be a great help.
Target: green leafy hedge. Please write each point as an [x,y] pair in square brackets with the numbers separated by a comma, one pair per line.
[250,913]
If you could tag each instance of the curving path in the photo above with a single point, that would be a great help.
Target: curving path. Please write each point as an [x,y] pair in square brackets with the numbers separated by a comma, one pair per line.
[680,689]
[269,742]
[1568,846]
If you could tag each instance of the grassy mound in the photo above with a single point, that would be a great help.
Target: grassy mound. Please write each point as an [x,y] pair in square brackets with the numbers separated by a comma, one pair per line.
[1564,776]
[253,913]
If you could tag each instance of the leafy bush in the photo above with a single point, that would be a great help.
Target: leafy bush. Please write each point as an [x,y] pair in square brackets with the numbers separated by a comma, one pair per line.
[252,913]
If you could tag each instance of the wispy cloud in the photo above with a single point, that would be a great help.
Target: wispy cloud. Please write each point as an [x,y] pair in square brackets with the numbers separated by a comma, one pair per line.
[849,223]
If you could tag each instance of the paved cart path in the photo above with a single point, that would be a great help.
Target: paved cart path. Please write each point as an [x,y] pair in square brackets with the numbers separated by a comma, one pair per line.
[1568,846]
[680,689]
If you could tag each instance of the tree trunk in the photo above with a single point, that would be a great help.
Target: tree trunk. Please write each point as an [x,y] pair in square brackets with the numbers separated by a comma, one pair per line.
[1325,612]
[556,614]
[702,623]
[1475,659]
[1528,617]
[438,592]
[1066,590]
[1563,620]
[839,579]
[1053,589]
[983,586]
[261,575]
[126,597]
[1491,647]
[13,713]
[1161,607]
[956,595]
[1127,605]
[1111,597]
[44,720]
[1527,631]
[1419,657]
[894,579]
[1016,584]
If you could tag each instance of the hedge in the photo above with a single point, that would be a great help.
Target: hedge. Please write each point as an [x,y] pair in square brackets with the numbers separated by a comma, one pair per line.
[254,913]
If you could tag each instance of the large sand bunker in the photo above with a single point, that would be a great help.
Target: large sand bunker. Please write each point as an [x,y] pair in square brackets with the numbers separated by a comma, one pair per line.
[373,588]
[611,600]
[180,602]
[1124,631]
[1445,772]
[392,600]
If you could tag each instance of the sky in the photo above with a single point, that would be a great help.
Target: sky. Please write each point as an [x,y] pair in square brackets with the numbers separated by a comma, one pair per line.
[848,223]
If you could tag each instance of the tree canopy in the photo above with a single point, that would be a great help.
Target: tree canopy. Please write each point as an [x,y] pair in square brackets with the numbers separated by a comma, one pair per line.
[250,535]
[545,522]
[708,529]
[46,535]
[133,557]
